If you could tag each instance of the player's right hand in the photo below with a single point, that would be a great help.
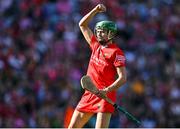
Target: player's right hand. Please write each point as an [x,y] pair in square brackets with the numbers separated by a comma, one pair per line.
[100,8]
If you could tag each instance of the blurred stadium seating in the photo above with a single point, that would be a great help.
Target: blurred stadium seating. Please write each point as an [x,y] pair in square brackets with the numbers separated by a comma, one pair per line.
[43,56]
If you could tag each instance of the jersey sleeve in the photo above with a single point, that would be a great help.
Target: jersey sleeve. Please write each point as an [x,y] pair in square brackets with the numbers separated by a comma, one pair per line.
[93,43]
[119,60]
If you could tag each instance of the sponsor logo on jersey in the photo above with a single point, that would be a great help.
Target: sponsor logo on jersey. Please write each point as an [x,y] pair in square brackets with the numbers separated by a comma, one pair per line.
[120,58]
[98,61]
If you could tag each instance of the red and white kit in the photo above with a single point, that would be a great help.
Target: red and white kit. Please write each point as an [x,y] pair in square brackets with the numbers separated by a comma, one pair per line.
[102,70]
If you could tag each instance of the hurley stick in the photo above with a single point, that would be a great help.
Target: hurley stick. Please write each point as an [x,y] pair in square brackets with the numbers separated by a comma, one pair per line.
[87,84]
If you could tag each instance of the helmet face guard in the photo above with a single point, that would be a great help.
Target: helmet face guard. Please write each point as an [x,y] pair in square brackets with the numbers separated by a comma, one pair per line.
[108,26]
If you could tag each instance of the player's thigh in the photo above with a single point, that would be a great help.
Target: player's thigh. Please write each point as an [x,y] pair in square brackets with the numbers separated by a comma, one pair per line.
[79,119]
[103,120]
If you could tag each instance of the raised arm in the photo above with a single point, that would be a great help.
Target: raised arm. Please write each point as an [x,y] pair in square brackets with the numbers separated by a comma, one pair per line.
[83,24]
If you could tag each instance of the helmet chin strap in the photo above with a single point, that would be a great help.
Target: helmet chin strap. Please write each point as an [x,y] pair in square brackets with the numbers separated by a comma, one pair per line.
[105,42]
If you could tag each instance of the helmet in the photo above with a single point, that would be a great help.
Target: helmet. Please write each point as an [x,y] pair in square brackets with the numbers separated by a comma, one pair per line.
[107,25]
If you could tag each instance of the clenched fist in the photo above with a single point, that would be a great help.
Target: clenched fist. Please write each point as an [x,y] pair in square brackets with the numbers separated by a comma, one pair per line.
[100,8]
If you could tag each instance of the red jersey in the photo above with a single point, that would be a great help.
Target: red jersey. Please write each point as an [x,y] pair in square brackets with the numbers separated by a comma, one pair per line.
[102,70]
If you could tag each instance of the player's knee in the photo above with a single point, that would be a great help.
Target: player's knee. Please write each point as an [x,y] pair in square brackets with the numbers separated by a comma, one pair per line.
[74,124]
[71,126]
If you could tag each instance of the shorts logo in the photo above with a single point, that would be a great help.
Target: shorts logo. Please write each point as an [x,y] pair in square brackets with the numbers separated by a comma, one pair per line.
[99,106]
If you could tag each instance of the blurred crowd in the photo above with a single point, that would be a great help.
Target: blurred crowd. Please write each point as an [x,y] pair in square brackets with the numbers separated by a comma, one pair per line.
[43,55]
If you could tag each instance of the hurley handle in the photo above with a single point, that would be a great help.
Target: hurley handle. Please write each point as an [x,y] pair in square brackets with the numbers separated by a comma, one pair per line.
[121,109]
[128,115]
